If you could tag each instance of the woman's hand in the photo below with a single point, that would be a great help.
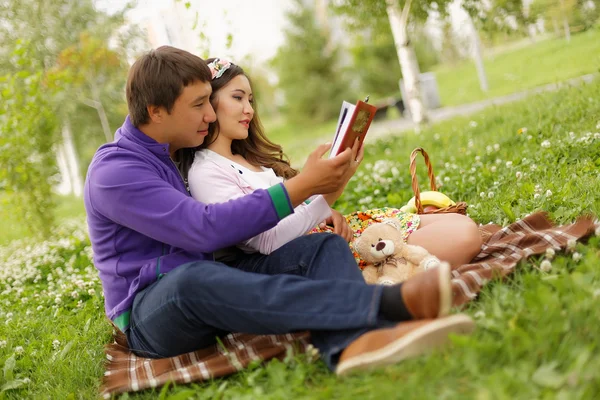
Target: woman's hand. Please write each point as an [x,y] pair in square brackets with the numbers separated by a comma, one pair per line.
[340,225]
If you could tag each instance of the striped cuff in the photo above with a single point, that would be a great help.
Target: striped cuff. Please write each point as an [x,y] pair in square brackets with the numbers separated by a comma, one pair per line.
[281,200]
[122,321]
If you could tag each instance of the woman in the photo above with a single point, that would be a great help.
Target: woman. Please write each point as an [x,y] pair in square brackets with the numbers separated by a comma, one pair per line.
[237,158]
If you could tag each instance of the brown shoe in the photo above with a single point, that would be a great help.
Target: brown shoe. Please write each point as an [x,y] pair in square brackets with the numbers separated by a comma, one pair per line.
[428,294]
[405,340]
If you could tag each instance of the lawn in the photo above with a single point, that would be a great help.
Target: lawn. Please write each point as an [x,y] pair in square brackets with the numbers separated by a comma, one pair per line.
[548,61]
[537,333]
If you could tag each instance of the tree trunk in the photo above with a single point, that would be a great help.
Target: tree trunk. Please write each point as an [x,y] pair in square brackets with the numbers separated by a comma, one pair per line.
[97,105]
[102,115]
[565,21]
[408,60]
[71,159]
[483,82]
[567,29]
[555,26]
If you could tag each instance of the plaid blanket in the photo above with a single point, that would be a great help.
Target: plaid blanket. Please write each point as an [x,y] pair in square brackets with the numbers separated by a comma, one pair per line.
[503,248]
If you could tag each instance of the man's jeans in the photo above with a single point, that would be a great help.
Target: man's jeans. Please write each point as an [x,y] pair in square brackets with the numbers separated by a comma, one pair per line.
[311,283]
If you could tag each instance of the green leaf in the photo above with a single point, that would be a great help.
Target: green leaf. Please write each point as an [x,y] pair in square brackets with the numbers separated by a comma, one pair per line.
[547,376]
[17,383]
[64,351]
[183,395]
[9,366]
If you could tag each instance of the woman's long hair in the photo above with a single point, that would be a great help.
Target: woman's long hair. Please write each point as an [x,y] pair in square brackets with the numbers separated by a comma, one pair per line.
[257,149]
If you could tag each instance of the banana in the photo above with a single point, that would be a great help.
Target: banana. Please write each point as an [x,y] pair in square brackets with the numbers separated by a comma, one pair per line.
[430,198]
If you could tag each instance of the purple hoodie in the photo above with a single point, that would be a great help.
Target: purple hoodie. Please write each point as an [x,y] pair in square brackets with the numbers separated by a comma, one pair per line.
[143,223]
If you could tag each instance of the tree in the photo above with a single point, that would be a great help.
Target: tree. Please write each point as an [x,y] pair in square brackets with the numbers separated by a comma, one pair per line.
[363,13]
[28,133]
[38,112]
[375,60]
[308,69]
[86,67]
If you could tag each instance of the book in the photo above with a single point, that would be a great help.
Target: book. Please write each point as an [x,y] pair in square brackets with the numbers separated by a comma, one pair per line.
[353,122]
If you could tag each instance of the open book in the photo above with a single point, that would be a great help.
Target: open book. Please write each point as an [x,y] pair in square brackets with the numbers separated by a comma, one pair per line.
[353,122]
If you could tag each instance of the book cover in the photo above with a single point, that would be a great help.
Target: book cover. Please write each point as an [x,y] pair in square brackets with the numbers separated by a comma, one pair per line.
[353,122]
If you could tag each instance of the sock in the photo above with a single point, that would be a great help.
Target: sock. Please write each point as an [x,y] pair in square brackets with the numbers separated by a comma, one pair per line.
[392,305]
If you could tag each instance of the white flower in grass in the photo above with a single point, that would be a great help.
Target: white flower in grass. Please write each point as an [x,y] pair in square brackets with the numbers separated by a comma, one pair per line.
[571,244]
[598,125]
[533,167]
[9,315]
[28,312]
[92,292]
[546,144]
[546,266]
[482,195]
[493,168]
[58,300]
[26,381]
[489,148]
[509,164]
[473,124]
[2,344]
[470,144]
[596,293]
[550,253]
[39,308]
[490,195]
[477,158]
[519,174]
[55,344]
[446,179]
[548,193]
[19,350]
[576,256]
[536,196]
[479,314]
[436,136]
[496,146]
[597,231]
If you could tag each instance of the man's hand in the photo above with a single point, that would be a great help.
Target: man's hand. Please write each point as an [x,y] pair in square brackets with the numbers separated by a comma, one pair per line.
[319,175]
[340,225]
[358,154]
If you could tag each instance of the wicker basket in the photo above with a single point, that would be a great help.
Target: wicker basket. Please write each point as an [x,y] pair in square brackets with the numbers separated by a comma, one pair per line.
[459,207]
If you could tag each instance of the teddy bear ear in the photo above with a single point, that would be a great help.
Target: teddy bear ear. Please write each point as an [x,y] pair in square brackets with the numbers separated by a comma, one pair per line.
[393,222]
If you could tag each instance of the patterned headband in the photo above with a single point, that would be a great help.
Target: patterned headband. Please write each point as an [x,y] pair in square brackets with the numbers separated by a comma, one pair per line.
[218,67]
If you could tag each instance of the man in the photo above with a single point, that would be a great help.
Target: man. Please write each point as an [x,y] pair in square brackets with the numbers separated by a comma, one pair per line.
[153,244]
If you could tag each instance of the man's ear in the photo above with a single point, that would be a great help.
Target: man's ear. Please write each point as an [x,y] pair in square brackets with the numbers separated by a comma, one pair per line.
[156,113]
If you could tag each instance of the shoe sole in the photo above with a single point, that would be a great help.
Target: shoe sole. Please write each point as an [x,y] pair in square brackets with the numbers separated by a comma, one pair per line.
[445,289]
[419,341]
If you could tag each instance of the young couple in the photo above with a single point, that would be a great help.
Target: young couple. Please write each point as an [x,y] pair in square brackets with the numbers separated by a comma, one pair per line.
[154,244]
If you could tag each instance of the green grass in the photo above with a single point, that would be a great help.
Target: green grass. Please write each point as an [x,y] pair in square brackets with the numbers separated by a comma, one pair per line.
[537,332]
[549,61]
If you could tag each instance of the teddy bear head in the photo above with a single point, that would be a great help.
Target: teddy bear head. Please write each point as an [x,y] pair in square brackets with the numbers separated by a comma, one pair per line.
[379,241]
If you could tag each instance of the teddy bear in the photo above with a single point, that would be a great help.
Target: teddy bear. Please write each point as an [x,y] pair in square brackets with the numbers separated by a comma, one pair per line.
[389,259]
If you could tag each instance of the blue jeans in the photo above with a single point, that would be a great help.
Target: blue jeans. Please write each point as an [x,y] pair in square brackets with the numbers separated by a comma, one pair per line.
[311,283]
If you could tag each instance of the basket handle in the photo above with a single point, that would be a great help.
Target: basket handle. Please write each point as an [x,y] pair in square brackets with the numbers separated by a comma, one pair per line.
[413,175]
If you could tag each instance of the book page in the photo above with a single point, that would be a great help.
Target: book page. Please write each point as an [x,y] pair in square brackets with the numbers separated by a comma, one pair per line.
[342,126]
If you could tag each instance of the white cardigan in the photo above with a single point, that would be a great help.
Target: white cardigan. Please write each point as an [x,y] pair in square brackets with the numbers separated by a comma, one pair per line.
[215,179]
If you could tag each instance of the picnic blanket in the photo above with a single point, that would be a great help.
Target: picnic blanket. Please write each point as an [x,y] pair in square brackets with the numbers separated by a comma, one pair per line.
[503,248]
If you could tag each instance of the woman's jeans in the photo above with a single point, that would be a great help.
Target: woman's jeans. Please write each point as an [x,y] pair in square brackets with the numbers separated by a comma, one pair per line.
[311,283]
